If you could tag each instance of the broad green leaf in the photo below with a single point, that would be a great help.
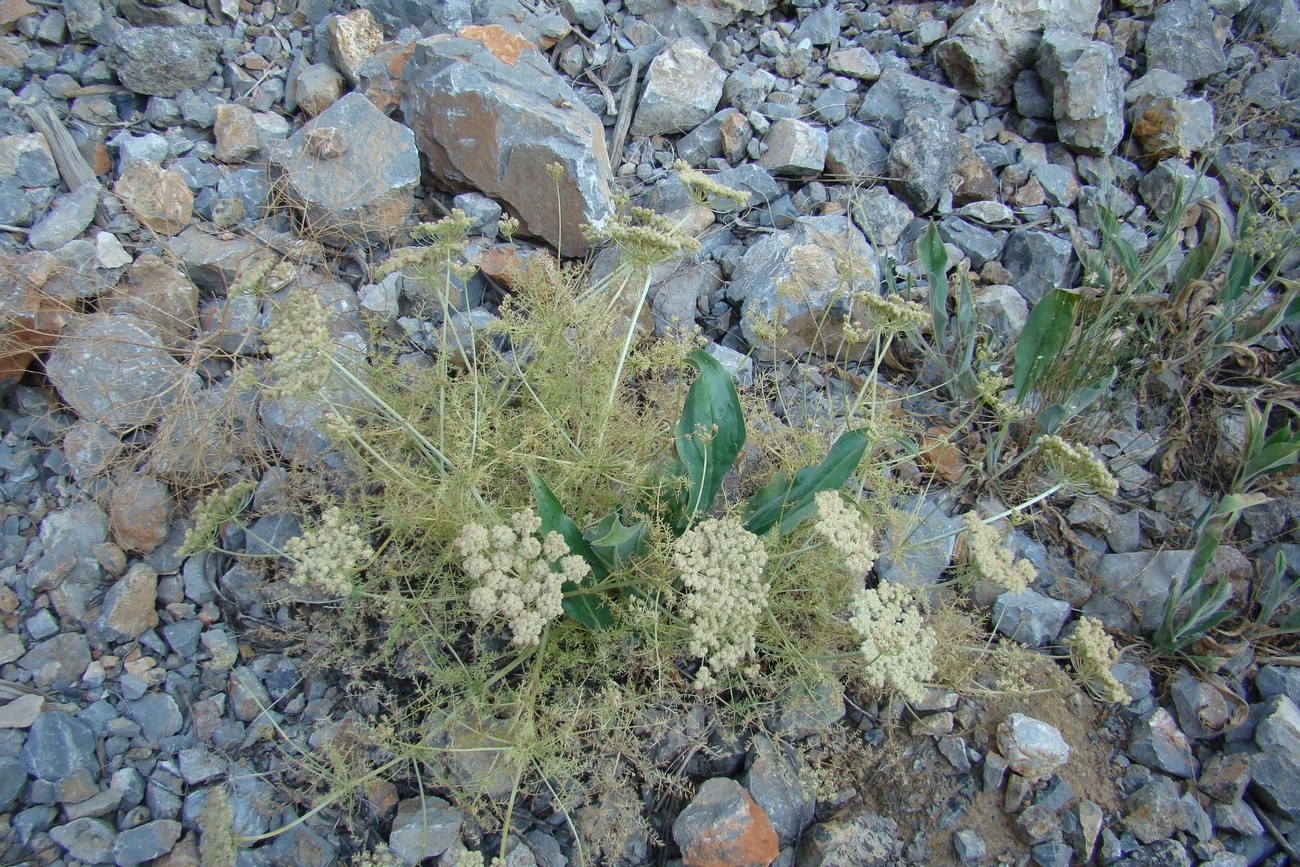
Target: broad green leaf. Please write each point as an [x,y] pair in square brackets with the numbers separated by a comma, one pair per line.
[1044,335]
[784,502]
[710,433]
[590,610]
[1291,373]
[933,256]
[614,543]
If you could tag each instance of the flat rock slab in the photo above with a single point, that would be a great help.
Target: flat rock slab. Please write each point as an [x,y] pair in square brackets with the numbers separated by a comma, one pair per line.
[490,114]
[163,61]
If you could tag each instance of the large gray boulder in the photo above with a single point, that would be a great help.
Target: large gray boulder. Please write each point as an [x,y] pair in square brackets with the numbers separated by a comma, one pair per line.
[490,114]
[790,280]
[994,40]
[353,172]
[163,61]
[1082,78]
[681,91]
[115,370]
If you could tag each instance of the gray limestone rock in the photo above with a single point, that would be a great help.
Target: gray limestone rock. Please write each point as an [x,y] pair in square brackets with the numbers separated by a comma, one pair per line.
[861,840]
[794,148]
[495,123]
[59,662]
[114,370]
[1276,768]
[146,842]
[773,782]
[69,218]
[994,40]
[1161,187]
[1182,39]
[352,170]
[1278,21]
[854,152]
[802,258]
[881,216]
[1030,617]
[1172,126]
[1158,743]
[898,95]
[1038,262]
[1033,748]
[163,61]
[907,556]
[922,160]
[424,829]
[59,746]
[682,89]
[1082,79]
[88,840]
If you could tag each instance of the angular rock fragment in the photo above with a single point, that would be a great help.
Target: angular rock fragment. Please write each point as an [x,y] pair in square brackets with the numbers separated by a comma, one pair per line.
[490,114]
[994,40]
[159,198]
[353,172]
[114,370]
[681,91]
[163,61]
[1082,79]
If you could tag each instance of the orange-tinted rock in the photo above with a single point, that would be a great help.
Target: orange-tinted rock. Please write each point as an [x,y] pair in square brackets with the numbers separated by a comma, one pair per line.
[380,77]
[939,457]
[504,45]
[12,10]
[157,292]
[30,319]
[352,38]
[723,827]
[159,198]
[486,125]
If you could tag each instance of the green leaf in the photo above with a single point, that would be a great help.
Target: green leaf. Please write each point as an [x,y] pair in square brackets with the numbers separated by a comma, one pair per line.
[933,256]
[1044,335]
[710,433]
[783,503]
[614,543]
[591,610]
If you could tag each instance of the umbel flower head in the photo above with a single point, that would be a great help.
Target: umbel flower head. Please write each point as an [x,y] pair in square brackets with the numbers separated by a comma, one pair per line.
[890,315]
[845,532]
[897,646]
[216,510]
[989,560]
[517,574]
[299,343]
[707,191]
[1077,467]
[1093,653]
[646,238]
[721,565]
[329,555]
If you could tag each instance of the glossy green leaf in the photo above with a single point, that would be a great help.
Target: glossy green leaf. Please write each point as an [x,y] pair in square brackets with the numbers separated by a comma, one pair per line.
[1046,330]
[590,610]
[710,434]
[614,543]
[783,503]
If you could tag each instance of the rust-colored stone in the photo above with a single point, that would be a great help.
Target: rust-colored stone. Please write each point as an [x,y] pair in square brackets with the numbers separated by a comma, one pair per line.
[503,44]
[159,198]
[30,319]
[723,827]
[12,10]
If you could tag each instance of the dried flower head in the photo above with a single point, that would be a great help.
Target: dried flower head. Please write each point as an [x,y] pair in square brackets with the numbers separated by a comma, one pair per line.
[896,644]
[449,236]
[890,315]
[217,509]
[299,343]
[846,533]
[990,561]
[517,573]
[507,226]
[721,564]
[646,238]
[329,555]
[1093,654]
[1077,467]
[707,191]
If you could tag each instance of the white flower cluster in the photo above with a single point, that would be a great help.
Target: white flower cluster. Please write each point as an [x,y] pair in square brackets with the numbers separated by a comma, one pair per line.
[721,564]
[1092,653]
[989,560]
[845,532]
[1078,467]
[515,572]
[217,509]
[329,555]
[299,343]
[896,644]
